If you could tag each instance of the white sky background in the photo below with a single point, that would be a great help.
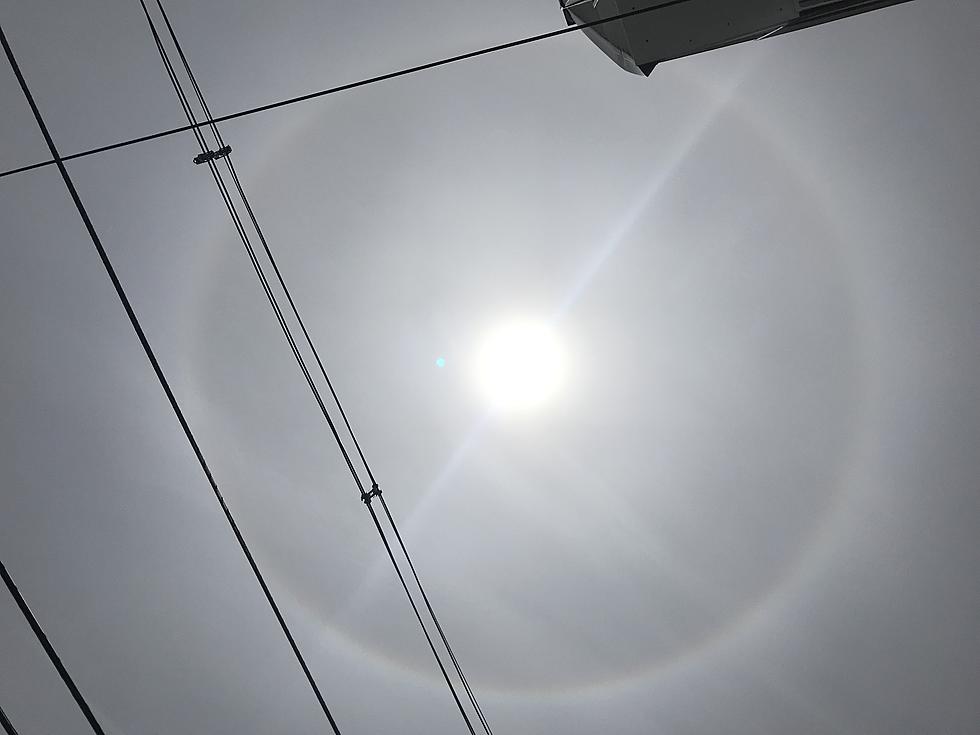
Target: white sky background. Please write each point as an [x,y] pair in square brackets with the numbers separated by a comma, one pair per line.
[753,509]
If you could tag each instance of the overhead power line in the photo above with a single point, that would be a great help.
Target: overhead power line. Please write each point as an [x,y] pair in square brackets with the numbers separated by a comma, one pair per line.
[344,87]
[207,156]
[165,384]
[329,383]
[28,614]
[8,726]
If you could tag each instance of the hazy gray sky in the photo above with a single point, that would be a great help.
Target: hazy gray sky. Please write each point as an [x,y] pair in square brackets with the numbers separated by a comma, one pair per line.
[753,506]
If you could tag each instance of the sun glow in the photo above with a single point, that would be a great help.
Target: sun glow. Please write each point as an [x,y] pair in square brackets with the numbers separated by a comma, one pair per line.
[520,365]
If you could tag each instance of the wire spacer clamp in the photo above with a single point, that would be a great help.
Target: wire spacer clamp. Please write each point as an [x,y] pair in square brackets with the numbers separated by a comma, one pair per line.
[374,492]
[209,156]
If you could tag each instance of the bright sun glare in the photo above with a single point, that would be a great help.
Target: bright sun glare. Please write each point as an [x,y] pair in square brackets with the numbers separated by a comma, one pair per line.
[520,365]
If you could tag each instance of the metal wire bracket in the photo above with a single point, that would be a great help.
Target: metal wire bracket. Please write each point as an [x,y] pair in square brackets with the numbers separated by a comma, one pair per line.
[209,156]
[374,492]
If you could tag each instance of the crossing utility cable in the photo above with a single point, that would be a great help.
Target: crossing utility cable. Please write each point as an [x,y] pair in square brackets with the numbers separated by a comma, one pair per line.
[26,611]
[348,86]
[161,377]
[207,157]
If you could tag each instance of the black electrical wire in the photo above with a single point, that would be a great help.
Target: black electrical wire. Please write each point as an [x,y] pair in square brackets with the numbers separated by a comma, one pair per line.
[298,356]
[241,192]
[19,598]
[432,613]
[345,87]
[243,234]
[164,383]
[219,140]
[258,229]
[8,726]
[286,331]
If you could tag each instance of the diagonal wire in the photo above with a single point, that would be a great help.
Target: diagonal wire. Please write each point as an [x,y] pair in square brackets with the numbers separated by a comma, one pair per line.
[8,726]
[435,620]
[242,231]
[33,621]
[345,87]
[316,354]
[161,377]
[258,229]
[236,218]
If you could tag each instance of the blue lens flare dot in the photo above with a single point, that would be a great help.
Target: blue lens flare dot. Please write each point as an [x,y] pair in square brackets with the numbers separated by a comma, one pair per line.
[440,362]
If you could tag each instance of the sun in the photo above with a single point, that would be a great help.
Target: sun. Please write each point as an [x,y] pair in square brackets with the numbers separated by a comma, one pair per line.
[520,365]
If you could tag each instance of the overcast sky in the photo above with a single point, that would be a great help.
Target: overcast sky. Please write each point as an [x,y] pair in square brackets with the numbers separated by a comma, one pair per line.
[751,508]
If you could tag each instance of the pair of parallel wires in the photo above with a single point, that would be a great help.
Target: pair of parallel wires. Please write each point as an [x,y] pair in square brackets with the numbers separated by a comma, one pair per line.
[220,156]
[210,157]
